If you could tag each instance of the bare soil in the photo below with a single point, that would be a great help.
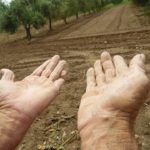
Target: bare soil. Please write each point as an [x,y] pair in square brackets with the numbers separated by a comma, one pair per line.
[120,30]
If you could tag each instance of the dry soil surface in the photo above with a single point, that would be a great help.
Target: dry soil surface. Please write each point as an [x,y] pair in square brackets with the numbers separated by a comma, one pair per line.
[120,30]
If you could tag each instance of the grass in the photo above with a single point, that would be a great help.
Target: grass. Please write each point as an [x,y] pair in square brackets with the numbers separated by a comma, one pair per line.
[57,138]
[126,1]
[109,6]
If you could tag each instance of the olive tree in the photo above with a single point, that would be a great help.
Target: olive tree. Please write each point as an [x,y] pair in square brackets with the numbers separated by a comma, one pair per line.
[22,12]
[74,8]
[49,9]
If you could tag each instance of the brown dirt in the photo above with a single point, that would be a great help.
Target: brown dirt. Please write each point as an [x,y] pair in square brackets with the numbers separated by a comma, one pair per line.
[118,30]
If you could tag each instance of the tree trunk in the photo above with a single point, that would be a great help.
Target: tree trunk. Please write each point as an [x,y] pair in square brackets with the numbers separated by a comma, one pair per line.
[102,3]
[50,23]
[65,20]
[28,32]
[77,15]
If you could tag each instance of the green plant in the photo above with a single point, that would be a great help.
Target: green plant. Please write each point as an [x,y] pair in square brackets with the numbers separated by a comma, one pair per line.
[21,13]
[141,2]
[147,8]
[34,13]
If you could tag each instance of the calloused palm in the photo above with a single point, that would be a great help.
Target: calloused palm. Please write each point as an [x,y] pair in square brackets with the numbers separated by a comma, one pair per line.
[35,92]
[114,89]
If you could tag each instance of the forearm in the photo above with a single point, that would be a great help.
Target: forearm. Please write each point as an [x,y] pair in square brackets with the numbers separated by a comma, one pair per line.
[107,135]
[12,129]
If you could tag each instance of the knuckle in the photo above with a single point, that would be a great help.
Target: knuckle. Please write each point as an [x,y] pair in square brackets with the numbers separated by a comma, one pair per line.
[46,73]
[54,76]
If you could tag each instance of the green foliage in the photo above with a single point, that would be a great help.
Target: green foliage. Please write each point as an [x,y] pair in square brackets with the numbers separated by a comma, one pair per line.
[90,5]
[73,7]
[109,6]
[82,6]
[50,9]
[9,22]
[145,4]
[116,1]
[141,2]
[34,13]
[3,9]
[38,21]
[26,13]
[64,9]
[2,6]
[22,12]
[147,8]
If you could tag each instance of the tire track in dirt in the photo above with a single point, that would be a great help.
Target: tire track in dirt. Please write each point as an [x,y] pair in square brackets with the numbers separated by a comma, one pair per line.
[130,21]
[99,24]
[42,51]
[116,21]
[120,18]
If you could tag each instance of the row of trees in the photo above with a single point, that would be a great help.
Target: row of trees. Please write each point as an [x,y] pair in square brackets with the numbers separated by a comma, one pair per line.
[36,13]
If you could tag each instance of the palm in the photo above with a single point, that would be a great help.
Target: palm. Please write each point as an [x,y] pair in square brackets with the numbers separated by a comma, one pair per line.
[121,92]
[31,95]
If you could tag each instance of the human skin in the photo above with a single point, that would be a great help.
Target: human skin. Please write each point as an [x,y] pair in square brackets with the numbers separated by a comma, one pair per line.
[22,101]
[114,95]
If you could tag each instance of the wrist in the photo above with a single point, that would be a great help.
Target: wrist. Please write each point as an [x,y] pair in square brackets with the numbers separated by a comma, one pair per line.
[13,127]
[108,132]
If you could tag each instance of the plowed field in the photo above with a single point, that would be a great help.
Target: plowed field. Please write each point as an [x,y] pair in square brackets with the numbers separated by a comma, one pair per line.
[119,30]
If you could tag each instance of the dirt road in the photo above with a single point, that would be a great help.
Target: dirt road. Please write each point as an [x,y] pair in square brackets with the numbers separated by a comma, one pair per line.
[118,30]
[122,18]
[117,19]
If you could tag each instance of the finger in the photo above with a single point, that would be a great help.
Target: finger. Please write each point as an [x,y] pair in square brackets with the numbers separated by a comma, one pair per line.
[7,75]
[138,61]
[41,68]
[57,71]
[91,81]
[108,66]
[51,66]
[59,83]
[100,77]
[63,73]
[120,65]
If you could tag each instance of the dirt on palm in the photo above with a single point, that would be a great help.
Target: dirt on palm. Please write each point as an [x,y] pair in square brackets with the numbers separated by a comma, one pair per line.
[120,30]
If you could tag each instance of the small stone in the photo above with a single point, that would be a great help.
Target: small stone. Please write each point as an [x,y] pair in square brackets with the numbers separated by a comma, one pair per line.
[44,143]
[136,136]
[40,147]
[73,132]
[105,42]
[143,144]
[145,104]
[58,112]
